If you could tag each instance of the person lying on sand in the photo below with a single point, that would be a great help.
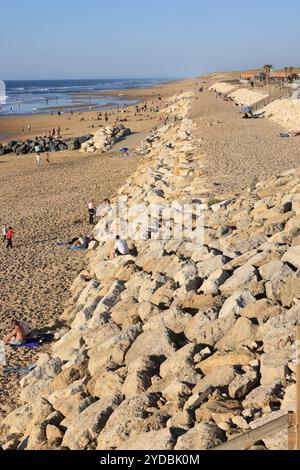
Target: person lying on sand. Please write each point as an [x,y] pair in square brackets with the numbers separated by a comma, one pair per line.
[79,242]
[17,336]
[291,133]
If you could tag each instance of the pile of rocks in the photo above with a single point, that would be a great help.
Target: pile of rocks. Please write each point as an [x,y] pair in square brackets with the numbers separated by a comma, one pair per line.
[105,138]
[175,346]
[46,144]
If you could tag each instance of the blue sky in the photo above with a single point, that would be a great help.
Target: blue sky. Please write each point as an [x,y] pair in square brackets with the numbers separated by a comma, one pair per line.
[139,38]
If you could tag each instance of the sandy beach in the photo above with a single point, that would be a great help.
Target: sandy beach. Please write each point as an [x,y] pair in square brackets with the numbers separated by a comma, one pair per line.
[48,204]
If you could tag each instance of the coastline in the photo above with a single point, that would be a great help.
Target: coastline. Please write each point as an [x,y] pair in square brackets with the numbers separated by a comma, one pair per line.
[46,205]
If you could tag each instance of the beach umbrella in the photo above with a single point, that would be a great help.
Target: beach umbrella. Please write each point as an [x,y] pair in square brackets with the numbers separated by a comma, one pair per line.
[123,149]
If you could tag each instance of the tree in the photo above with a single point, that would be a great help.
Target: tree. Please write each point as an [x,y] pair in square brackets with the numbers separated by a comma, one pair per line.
[268,68]
[286,69]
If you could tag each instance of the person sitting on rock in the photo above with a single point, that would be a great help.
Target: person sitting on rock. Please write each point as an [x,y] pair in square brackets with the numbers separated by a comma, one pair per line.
[120,248]
[17,336]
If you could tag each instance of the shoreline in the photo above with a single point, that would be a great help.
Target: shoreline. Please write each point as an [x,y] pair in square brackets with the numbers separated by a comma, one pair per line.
[11,126]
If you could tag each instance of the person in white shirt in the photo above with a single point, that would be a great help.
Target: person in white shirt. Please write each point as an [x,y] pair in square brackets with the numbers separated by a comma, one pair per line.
[120,248]
[4,231]
[37,159]
[92,212]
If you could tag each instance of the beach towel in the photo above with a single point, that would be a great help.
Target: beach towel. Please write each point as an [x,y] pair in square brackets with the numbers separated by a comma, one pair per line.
[35,341]
[31,344]
[19,370]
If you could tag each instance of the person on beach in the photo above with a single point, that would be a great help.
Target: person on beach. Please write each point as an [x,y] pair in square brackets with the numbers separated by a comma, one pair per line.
[17,335]
[106,117]
[29,127]
[120,248]
[4,231]
[37,159]
[23,131]
[48,159]
[9,237]
[91,212]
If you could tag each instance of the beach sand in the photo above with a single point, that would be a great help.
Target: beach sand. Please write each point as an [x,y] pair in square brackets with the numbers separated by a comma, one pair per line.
[48,204]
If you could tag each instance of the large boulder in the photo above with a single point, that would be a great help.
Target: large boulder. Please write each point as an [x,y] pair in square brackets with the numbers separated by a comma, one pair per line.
[157,343]
[126,420]
[86,427]
[203,436]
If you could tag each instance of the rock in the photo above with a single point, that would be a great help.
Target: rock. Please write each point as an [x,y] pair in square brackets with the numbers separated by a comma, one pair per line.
[126,420]
[85,429]
[219,410]
[113,350]
[156,343]
[236,302]
[177,391]
[214,282]
[138,378]
[244,331]
[125,312]
[222,359]
[72,406]
[36,390]
[244,277]
[289,399]
[174,319]
[152,440]
[277,440]
[188,277]
[107,384]
[65,378]
[37,437]
[277,224]
[261,311]
[180,364]
[242,385]
[290,291]
[54,435]
[292,256]
[209,265]
[211,331]
[22,420]
[274,366]
[263,396]
[46,370]
[275,270]
[203,436]
[218,378]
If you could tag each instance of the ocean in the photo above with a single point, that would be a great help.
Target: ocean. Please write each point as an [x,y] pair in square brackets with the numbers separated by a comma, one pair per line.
[22,97]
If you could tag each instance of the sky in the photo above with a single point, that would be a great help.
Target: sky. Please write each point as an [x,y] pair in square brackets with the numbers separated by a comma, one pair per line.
[42,39]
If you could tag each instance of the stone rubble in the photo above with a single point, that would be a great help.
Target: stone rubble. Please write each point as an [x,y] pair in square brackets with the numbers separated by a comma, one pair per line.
[175,346]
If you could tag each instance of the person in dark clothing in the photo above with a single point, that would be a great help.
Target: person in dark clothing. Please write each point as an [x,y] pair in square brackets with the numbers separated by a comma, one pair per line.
[9,237]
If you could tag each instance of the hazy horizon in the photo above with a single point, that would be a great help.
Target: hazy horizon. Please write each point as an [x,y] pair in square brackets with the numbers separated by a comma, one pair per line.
[175,39]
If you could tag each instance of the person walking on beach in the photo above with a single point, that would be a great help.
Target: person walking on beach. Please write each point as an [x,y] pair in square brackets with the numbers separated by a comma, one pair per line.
[23,131]
[9,237]
[106,117]
[48,159]
[29,127]
[4,231]
[91,212]
[37,159]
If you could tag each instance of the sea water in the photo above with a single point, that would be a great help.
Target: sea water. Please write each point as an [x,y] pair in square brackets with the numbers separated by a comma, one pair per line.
[50,96]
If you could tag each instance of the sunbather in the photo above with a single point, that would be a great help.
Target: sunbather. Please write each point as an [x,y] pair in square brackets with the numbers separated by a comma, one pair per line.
[17,336]
[291,133]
